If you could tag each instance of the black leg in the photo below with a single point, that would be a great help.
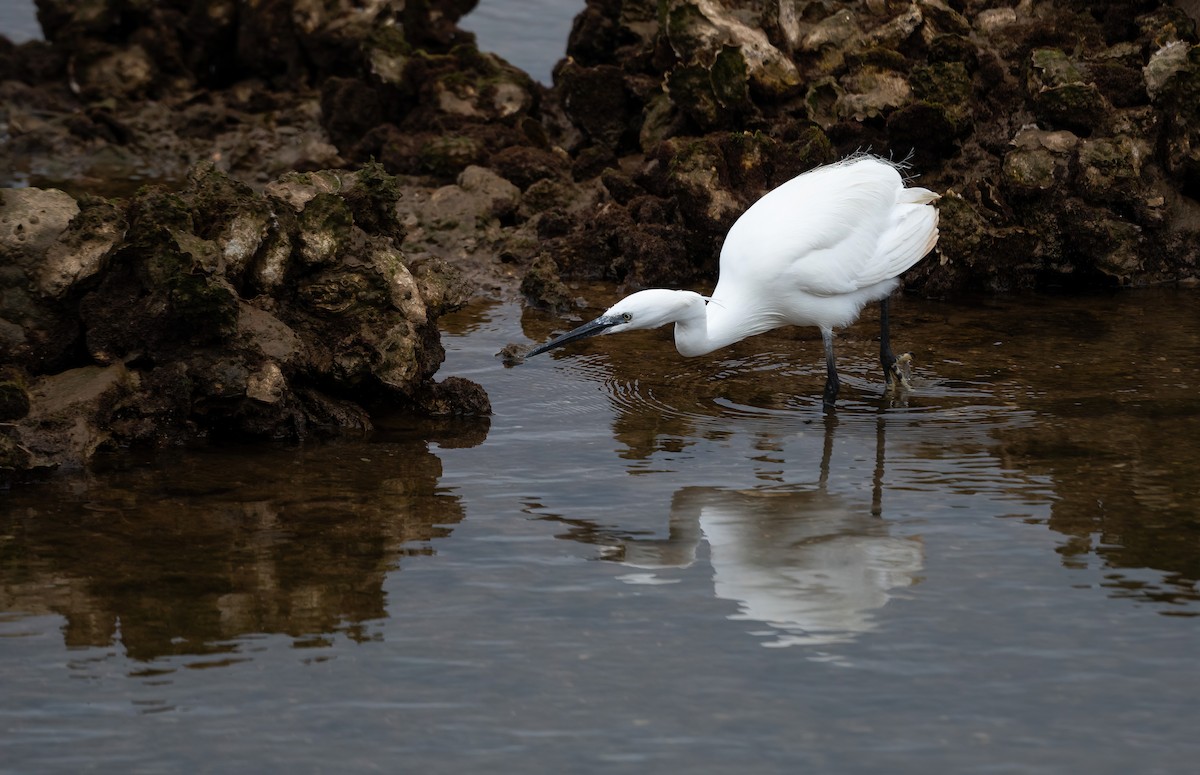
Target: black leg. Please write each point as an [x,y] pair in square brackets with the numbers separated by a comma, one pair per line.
[887,358]
[895,370]
[832,383]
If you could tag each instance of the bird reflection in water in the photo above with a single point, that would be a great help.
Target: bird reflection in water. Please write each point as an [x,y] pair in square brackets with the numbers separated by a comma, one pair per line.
[812,565]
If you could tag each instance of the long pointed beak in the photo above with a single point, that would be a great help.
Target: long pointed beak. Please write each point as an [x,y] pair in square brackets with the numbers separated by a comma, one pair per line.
[597,326]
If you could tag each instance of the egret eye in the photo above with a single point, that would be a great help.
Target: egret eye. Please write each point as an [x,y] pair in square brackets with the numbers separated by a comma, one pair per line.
[627,317]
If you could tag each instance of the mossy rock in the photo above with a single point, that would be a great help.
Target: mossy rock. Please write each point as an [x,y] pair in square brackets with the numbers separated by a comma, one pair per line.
[14,400]
[877,57]
[1063,93]
[1166,24]
[1178,97]
[204,307]
[1051,68]
[691,90]
[962,229]
[821,100]
[925,127]
[946,85]
[687,29]
[977,255]
[872,92]
[1077,106]
[1109,245]
[214,199]
[372,199]
[729,75]
[1031,170]
[14,460]
[543,288]
[325,229]
[596,100]
[954,48]
[153,216]
[1110,169]
[448,155]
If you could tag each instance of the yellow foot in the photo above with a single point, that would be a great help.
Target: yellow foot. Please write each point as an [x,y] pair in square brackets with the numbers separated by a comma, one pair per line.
[900,375]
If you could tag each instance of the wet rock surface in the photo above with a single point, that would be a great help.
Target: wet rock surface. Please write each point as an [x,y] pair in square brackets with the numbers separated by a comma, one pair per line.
[216,311]
[1058,131]
[331,177]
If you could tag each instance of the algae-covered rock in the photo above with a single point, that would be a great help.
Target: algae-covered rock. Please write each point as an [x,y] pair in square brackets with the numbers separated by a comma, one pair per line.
[1064,94]
[431,109]
[596,100]
[542,287]
[944,83]
[1033,169]
[1164,65]
[1176,91]
[1110,169]
[1040,160]
[828,37]
[178,335]
[720,60]
[1112,245]
[871,92]
[972,252]
[693,175]
[14,395]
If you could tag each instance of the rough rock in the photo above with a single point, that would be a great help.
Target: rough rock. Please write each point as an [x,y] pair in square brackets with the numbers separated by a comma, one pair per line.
[219,311]
[32,324]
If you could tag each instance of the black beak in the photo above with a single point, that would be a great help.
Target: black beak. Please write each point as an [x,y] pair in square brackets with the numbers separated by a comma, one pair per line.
[597,326]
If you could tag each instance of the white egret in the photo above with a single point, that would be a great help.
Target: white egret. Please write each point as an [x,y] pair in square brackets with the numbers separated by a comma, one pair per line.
[812,252]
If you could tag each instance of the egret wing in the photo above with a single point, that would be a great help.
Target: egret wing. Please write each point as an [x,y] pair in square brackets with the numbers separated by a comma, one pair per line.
[911,234]
[819,232]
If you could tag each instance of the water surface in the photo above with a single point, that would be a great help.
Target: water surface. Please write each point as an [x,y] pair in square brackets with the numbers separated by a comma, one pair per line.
[648,564]
[531,34]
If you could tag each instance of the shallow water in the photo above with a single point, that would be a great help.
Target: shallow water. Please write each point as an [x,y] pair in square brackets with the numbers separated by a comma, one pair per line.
[650,564]
[18,21]
[530,34]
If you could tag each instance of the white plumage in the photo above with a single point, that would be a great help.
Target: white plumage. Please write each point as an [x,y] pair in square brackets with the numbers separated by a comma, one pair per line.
[812,252]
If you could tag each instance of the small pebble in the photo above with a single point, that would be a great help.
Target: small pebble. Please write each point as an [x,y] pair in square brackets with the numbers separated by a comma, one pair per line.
[513,354]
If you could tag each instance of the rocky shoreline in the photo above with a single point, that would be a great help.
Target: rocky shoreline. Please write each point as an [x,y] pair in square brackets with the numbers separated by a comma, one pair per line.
[242,220]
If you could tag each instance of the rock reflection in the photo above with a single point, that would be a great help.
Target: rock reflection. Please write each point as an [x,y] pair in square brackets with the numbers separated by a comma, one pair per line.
[186,553]
[1118,433]
[810,564]
[1129,498]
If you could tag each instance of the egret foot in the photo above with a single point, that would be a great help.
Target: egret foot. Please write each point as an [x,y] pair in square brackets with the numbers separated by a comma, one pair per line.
[899,374]
[829,397]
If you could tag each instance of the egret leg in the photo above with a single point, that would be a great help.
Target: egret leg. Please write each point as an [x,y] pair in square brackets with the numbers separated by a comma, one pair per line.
[887,358]
[894,369]
[832,383]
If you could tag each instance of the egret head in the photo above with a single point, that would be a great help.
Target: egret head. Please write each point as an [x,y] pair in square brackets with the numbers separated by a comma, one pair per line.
[644,309]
